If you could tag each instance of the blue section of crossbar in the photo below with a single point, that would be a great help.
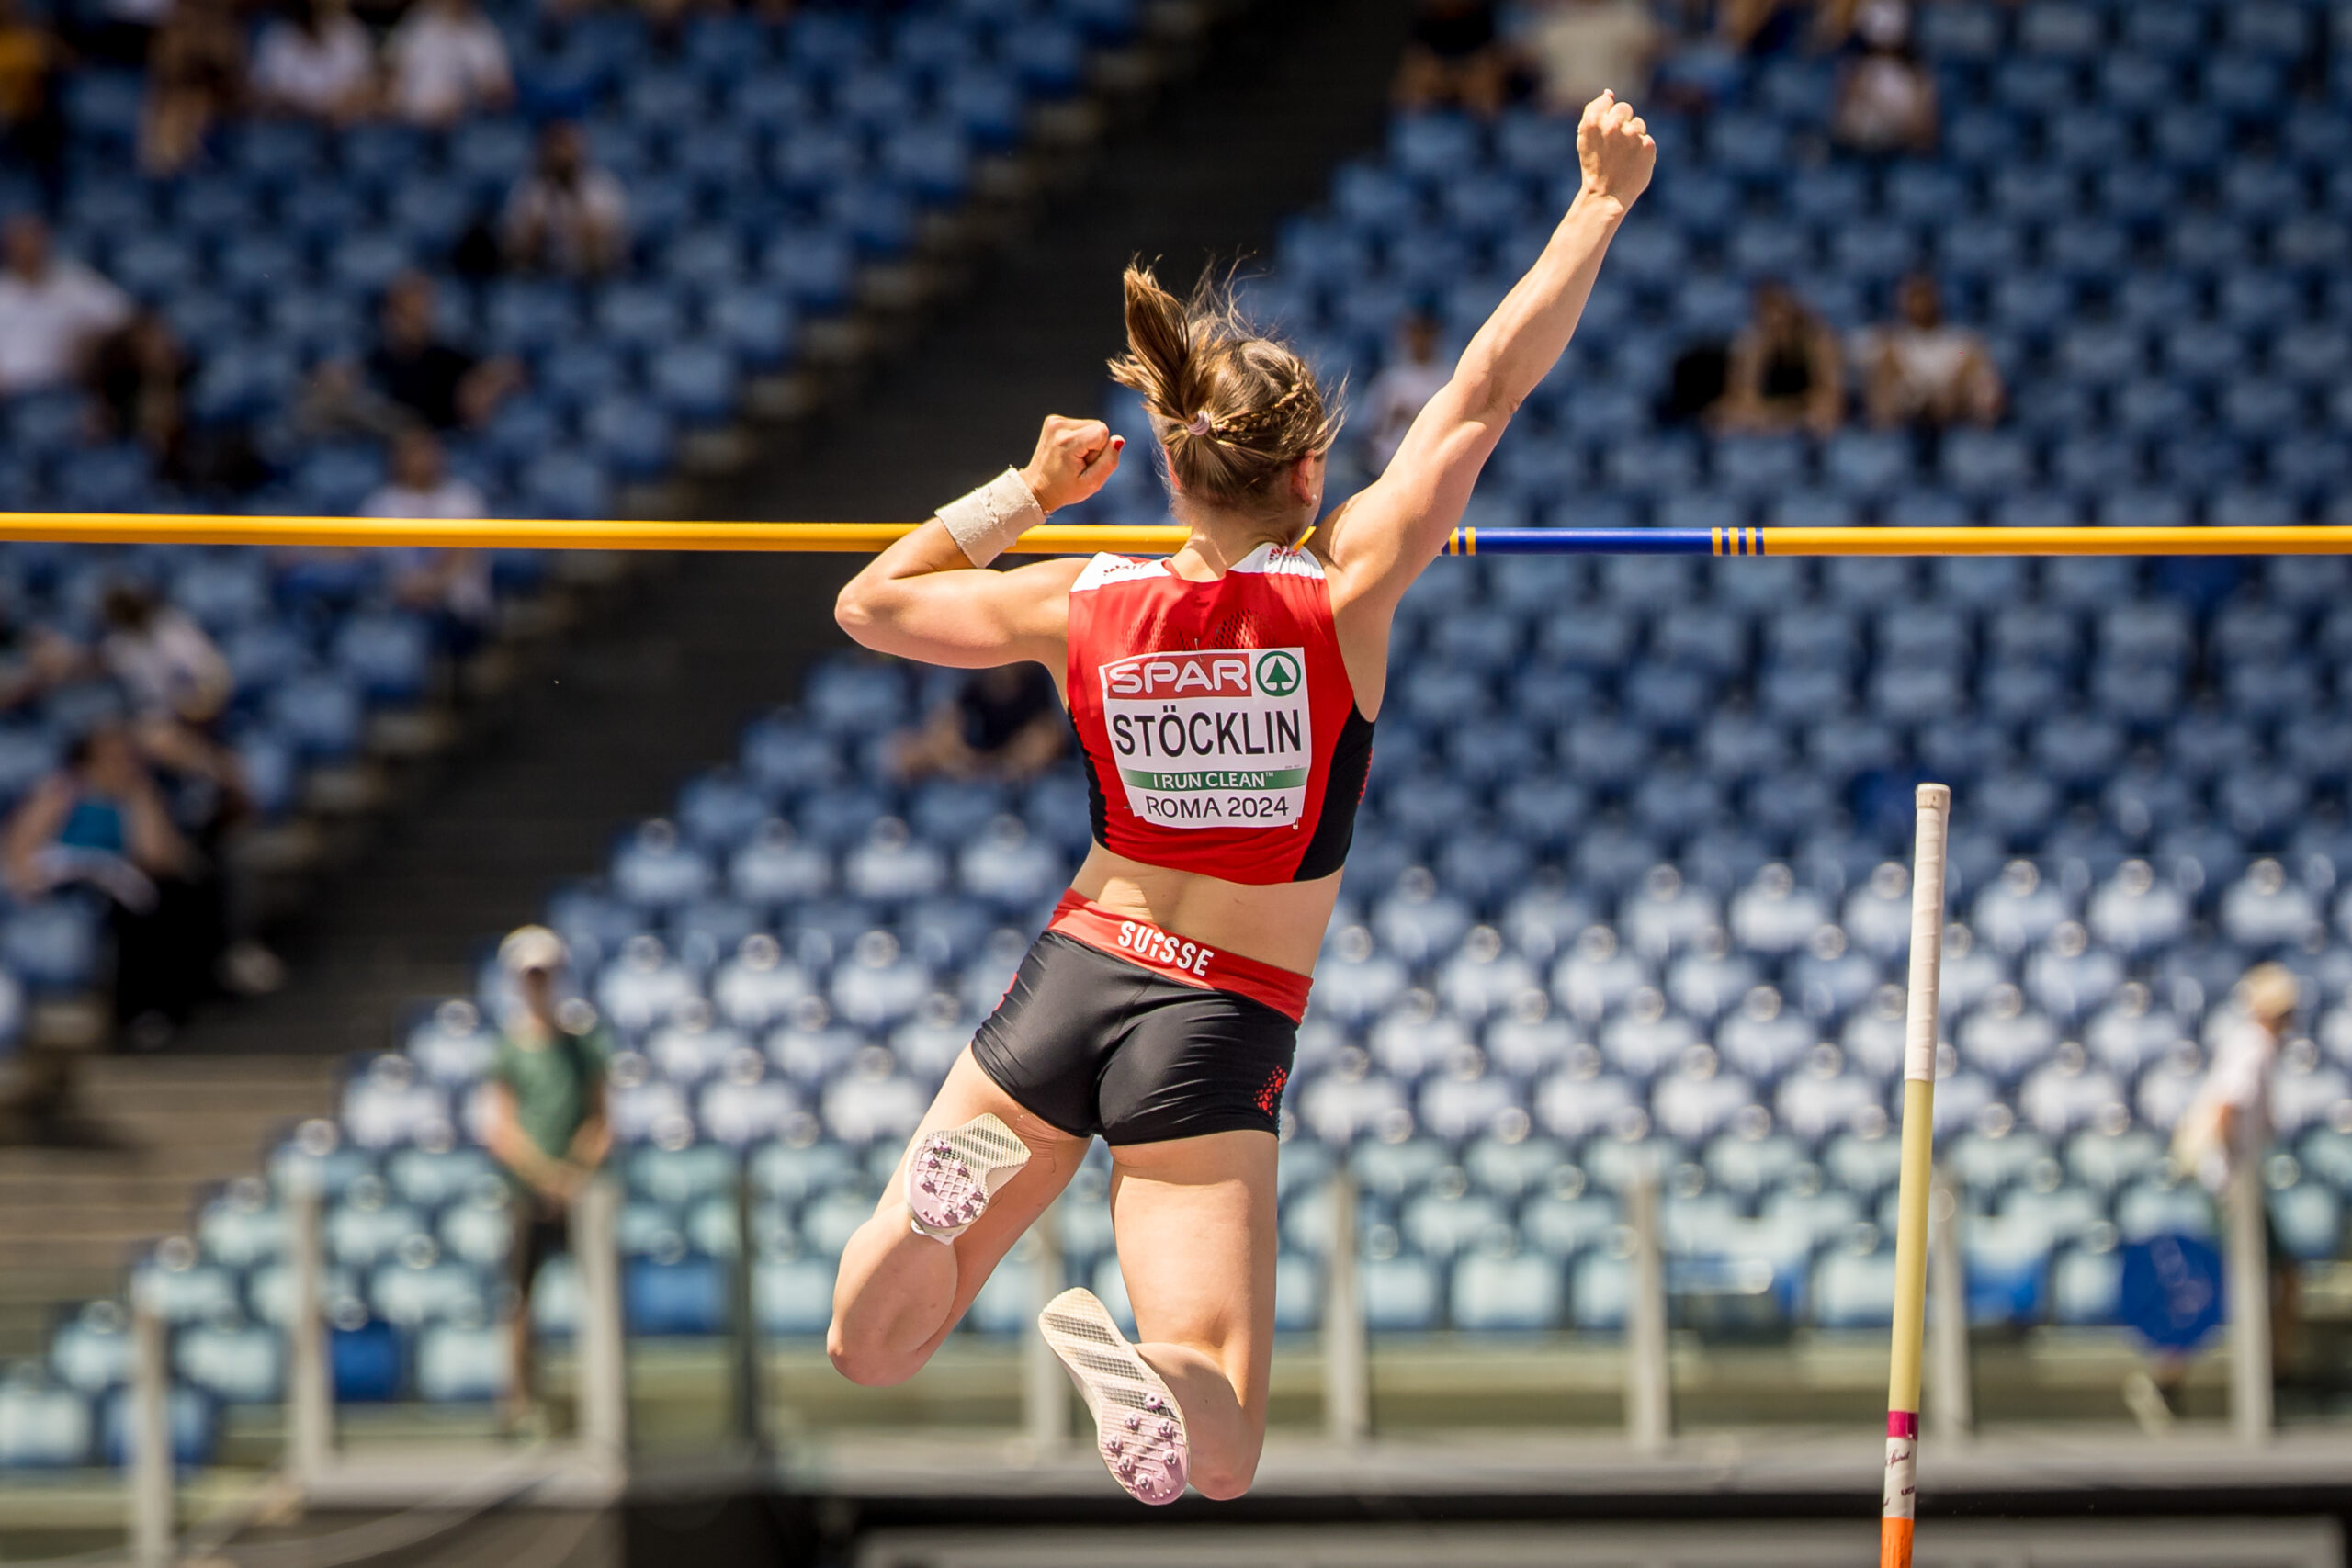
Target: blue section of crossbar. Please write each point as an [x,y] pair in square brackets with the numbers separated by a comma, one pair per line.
[1604,542]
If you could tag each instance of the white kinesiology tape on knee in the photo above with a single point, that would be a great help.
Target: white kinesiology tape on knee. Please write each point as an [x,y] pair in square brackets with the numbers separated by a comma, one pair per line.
[985,523]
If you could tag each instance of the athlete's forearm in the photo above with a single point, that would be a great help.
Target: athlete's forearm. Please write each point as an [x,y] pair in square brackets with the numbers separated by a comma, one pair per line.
[1530,330]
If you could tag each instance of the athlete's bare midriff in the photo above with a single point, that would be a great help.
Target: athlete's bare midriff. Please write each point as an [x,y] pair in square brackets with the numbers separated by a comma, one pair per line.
[1279,924]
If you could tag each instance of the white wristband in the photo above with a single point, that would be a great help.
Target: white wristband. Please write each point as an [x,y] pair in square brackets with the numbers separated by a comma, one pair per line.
[988,520]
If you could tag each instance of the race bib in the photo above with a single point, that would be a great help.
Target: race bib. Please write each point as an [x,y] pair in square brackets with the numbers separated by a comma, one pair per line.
[1214,738]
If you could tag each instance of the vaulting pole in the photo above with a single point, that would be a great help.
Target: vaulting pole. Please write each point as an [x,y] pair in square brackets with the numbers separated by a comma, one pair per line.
[1912,1191]
[556,534]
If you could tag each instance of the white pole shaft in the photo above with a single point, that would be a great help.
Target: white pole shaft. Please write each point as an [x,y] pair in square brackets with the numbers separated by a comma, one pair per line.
[1346,1371]
[1899,1497]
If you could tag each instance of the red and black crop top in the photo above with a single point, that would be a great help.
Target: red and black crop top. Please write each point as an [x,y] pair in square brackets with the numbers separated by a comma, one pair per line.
[1220,731]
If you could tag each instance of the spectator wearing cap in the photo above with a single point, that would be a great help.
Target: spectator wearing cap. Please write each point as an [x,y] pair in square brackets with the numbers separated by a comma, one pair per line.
[547,1125]
[2226,1132]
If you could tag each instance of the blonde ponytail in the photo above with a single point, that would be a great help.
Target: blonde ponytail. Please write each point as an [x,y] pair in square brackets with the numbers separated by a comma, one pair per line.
[1233,409]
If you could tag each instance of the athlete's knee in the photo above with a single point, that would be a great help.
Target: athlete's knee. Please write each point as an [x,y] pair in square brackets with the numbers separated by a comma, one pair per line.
[865,1360]
[1221,1479]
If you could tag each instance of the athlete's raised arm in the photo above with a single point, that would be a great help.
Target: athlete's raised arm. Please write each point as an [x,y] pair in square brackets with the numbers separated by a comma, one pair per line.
[1378,542]
[923,599]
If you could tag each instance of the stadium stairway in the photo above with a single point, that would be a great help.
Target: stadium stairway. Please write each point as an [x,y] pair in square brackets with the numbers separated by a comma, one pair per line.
[154,1130]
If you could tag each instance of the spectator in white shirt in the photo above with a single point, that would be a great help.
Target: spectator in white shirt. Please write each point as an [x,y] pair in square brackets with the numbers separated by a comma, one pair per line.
[1886,99]
[1924,370]
[319,63]
[164,661]
[452,586]
[1402,389]
[446,61]
[420,484]
[1581,47]
[53,312]
[567,215]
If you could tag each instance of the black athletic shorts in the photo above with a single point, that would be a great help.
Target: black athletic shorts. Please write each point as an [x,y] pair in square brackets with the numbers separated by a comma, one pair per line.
[539,1234]
[1097,1044]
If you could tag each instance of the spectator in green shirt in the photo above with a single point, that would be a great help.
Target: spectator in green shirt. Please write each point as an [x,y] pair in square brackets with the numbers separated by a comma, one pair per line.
[547,1125]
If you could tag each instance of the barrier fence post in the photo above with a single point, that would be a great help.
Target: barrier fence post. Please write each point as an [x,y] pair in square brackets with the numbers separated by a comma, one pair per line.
[1649,1376]
[2247,1299]
[1044,1387]
[1347,1369]
[1952,1391]
[309,1383]
[603,1351]
[744,1322]
[150,1436]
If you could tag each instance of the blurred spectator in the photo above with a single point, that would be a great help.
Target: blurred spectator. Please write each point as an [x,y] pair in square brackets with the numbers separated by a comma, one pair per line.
[547,1125]
[318,62]
[1581,47]
[566,215]
[138,376]
[445,61]
[1886,98]
[1784,372]
[100,822]
[411,374]
[1402,389]
[1759,26]
[34,659]
[1922,370]
[196,74]
[1005,722]
[452,586]
[420,484]
[121,32]
[166,663]
[2226,1131]
[180,686]
[1456,59]
[32,121]
[52,311]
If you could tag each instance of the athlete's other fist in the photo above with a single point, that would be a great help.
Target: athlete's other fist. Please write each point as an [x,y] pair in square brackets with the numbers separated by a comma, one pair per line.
[1074,459]
[1613,145]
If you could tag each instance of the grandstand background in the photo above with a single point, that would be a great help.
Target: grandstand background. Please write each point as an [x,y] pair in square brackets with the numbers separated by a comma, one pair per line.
[1629,883]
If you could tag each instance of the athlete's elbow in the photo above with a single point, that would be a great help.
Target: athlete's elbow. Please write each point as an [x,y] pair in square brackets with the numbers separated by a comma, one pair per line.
[853,610]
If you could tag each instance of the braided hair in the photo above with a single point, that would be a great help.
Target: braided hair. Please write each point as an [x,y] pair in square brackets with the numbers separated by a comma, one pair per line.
[1233,409]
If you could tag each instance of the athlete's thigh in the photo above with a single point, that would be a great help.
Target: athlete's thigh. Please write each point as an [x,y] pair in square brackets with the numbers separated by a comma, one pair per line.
[1054,1158]
[1194,1219]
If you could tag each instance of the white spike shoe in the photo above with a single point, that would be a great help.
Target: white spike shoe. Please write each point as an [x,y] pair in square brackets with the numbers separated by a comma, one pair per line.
[1138,1431]
[952,1176]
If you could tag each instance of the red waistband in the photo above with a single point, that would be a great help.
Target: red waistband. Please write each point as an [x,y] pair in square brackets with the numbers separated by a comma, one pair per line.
[1190,963]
